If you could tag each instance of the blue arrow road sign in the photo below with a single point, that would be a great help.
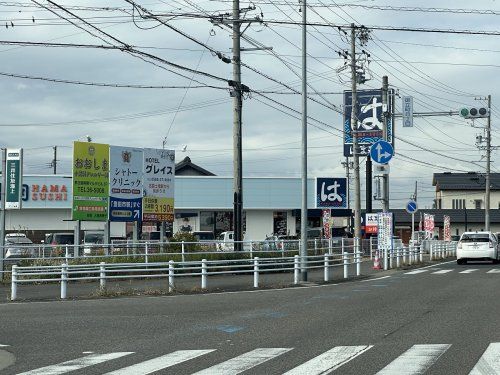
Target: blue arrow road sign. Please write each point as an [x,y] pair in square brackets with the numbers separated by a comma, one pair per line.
[411,207]
[381,152]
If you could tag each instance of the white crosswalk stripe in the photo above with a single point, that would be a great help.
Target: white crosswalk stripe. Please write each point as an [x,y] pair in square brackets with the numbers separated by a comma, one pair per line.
[440,272]
[160,363]
[470,270]
[415,272]
[244,362]
[415,360]
[76,364]
[489,363]
[494,270]
[329,361]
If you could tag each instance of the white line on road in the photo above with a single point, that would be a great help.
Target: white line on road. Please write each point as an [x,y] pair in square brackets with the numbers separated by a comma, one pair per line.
[415,272]
[329,361]
[3,346]
[160,363]
[489,363]
[244,362]
[494,270]
[76,364]
[415,360]
[440,272]
[470,270]
[378,278]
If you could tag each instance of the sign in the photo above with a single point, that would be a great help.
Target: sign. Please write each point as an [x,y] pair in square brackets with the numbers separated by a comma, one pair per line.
[125,183]
[447,228]
[90,181]
[384,221]
[369,124]
[381,152]
[326,214]
[14,178]
[428,226]
[159,173]
[411,207]
[371,223]
[331,192]
[407,111]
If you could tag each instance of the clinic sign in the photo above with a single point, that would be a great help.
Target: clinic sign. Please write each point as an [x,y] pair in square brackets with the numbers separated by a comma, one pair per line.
[14,169]
[159,173]
[125,183]
[331,192]
[90,181]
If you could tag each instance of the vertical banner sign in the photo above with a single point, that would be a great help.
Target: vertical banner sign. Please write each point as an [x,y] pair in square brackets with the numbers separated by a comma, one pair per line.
[447,228]
[331,193]
[125,183]
[14,175]
[90,181]
[384,231]
[326,214]
[159,174]
[428,226]
[407,111]
[371,223]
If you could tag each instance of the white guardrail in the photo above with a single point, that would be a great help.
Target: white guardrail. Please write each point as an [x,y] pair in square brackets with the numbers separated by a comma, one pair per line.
[102,272]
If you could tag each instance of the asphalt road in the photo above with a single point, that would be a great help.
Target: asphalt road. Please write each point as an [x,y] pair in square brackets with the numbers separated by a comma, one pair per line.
[438,321]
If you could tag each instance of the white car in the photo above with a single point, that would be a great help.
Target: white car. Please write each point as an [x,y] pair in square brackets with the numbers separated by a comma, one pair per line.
[477,246]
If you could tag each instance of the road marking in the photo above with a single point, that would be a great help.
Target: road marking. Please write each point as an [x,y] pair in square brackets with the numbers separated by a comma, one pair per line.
[160,363]
[3,346]
[489,363]
[329,361]
[470,270]
[76,364]
[415,272]
[415,360]
[378,278]
[494,270]
[244,362]
[440,272]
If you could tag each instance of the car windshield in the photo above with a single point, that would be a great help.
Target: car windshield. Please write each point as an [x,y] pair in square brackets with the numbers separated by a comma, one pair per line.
[93,238]
[204,236]
[64,239]
[19,240]
[475,237]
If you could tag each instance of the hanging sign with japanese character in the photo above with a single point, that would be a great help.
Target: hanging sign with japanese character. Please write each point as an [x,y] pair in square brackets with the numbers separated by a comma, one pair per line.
[14,168]
[125,183]
[159,173]
[90,181]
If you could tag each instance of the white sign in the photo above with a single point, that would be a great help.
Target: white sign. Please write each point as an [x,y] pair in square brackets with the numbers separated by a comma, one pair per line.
[371,223]
[384,231]
[407,111]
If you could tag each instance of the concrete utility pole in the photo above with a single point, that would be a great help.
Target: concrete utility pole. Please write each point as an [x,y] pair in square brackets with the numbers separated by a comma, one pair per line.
[385,115]
[237,142]
[369,190]
[303,211]
[355,146]
[488,168]
[2,206]
[54,162]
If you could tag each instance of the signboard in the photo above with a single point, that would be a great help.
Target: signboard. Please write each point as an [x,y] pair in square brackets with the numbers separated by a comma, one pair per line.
[371,223]
[326,214]
[14,178]
[90,181]
[428,226]
[159,173]
[331,192]
[369,122]
[125,183]
[384,221]
[407,111]
[447,228]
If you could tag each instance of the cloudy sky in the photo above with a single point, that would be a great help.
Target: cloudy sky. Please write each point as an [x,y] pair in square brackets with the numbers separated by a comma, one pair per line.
[442,71]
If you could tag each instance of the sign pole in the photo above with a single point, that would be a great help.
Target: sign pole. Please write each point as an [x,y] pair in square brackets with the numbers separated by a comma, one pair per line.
[412,226]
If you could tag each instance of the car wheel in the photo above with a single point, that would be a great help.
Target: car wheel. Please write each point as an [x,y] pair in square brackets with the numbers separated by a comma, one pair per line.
[461,261]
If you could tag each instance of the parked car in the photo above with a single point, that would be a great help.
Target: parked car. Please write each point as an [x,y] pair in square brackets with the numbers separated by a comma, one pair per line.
[225,242]
[58,242]
[206,239]
[90,240]
[18,247]
[280,243]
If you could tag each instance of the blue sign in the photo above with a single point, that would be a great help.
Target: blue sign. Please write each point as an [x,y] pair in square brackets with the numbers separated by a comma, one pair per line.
[331,193]
[381,152]
[411,207]
[369,120]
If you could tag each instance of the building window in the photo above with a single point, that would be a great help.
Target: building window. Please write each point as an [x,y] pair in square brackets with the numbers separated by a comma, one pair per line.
[477,204]
[458,204]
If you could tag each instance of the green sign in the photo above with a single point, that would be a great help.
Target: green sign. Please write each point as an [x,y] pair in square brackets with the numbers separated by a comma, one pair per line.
[14,178]
[90,181]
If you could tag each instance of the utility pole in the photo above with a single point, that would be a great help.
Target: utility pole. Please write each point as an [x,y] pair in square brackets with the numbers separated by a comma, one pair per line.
[488,167]
[385,115]
[54,162]
[369,196]
[303,212]
[355,147]
[237,140]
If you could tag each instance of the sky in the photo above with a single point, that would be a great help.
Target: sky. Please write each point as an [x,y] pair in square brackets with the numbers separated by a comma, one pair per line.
[192,113]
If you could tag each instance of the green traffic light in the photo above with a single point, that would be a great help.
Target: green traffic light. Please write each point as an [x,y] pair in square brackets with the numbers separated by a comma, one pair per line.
[464,112]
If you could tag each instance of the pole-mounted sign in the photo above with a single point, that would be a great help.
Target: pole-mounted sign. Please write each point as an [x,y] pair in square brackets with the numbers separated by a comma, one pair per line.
[381,152]
[14,179]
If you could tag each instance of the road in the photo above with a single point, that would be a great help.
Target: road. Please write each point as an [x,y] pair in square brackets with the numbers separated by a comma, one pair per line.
[435,320]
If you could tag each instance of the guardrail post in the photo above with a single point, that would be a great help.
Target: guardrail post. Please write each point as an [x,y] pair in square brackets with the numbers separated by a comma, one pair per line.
[203,274]
[146,250]
[386,260]
[256,272]
[327,268]
[421,253]
[170,276]
[371,248]
[431,248]
[13,284]
[411,249]
[345,259]
[398,255]
[406,249]
[64,280]
[359,256]
[330,246]
[67,254]
[182,251]
[296,269]
[102,279]
[391,253]
[315,246]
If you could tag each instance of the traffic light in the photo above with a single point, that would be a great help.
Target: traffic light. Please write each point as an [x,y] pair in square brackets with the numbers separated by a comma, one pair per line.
[469,113]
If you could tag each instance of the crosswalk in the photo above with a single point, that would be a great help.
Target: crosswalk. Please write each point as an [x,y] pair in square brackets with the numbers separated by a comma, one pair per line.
[416,360]
[435,271]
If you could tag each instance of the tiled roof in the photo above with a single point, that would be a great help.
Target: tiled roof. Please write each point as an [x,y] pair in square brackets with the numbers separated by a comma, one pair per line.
[464,181]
